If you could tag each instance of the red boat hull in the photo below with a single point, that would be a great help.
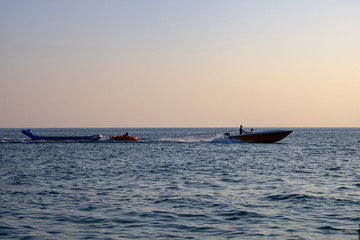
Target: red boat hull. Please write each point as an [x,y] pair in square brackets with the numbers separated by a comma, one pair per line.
[124,138]
[262,137]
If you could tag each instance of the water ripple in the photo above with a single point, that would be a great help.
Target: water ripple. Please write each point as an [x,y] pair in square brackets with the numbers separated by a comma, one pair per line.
[177,185]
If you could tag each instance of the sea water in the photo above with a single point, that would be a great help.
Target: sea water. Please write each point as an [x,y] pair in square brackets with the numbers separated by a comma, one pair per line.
[180,183]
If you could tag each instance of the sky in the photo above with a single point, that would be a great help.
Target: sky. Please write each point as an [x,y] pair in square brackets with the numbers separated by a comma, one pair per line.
[185,63]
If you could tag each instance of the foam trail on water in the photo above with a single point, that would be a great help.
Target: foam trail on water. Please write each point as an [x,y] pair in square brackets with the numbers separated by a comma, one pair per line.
[20,140]
[222,139]
[184,140]
[219,138]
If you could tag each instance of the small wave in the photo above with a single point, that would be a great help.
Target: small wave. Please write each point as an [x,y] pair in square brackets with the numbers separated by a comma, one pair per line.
[333,168]
[238,214]
[330,229]
[288,197]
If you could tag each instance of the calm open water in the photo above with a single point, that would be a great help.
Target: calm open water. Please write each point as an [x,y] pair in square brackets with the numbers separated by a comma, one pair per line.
[180,183]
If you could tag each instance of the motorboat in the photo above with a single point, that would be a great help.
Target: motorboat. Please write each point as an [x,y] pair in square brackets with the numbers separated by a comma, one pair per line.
[29,133]
[124,138]
[259,137]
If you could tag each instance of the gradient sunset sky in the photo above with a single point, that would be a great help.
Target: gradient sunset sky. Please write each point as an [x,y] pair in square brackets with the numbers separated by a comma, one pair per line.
[180,63]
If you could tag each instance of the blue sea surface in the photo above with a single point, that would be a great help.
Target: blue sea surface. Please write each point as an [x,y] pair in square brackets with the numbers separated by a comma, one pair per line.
[180,183]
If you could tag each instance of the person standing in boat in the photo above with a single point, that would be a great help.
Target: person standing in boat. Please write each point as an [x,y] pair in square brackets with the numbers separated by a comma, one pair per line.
[241,130]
